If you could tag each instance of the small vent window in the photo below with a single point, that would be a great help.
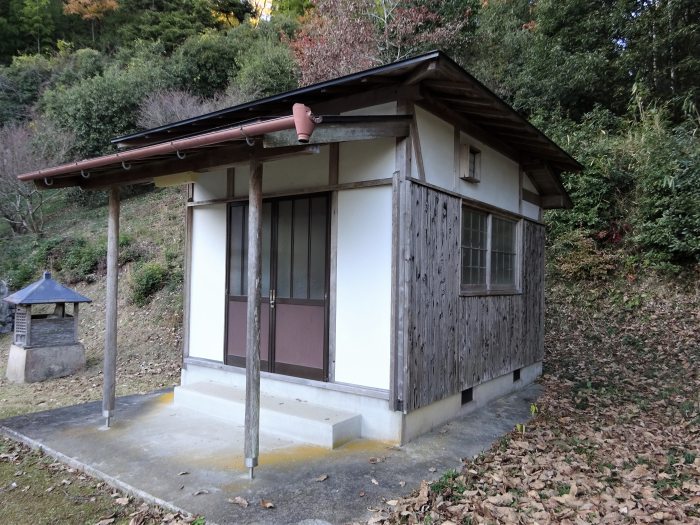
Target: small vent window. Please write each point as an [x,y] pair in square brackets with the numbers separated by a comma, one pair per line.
[467,396]
[516,375]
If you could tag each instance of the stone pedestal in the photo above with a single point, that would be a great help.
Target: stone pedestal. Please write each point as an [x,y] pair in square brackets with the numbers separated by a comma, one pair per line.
[32,364]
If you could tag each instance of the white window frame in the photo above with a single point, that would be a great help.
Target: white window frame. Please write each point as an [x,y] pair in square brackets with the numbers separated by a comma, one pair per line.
[488,288]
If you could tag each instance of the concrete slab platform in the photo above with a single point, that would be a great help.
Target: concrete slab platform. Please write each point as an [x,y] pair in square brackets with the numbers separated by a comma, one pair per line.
[184,460]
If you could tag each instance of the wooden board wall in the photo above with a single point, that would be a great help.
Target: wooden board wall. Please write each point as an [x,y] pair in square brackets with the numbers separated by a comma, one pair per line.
[455,342]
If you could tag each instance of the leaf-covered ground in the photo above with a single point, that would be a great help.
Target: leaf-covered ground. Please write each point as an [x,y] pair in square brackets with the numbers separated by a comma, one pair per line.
[37,490]
[616,438]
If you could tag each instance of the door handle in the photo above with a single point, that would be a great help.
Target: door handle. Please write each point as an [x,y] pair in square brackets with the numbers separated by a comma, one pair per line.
[273,297]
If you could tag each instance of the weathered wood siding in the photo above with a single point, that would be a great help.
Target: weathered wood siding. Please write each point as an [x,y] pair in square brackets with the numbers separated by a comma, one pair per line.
[52,331]
[453,341]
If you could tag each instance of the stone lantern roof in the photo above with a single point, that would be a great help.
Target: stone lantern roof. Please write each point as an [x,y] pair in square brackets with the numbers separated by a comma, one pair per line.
[46,291]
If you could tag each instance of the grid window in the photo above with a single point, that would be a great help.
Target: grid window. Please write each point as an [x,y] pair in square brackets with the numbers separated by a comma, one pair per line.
[474,231]
[502,252]
[488,252]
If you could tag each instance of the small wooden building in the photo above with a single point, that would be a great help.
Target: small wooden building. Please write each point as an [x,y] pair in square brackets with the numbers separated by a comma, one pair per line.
[401,248]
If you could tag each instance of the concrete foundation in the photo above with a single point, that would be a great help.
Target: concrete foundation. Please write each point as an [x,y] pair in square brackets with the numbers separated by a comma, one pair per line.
[427,418]
[378,420]
[32,364]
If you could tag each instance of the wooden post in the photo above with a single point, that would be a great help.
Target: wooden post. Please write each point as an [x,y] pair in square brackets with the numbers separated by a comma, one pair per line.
[252,384]
[76,321]
[110,353]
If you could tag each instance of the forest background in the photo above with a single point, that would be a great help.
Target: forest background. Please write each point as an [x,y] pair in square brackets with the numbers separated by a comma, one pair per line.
[615,82]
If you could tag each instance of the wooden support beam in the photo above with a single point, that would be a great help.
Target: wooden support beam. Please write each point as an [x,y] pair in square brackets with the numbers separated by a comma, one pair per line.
[554,201]
[448,85]
[400,238]
[109,372]
[334,164]
[329,133]
[415,138]
[362,99]
[426,71]
[531,197]
[252,368]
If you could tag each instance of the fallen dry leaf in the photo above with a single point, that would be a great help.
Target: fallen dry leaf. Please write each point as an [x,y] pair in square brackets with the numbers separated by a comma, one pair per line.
[322,477]
[266,504]
[241,502]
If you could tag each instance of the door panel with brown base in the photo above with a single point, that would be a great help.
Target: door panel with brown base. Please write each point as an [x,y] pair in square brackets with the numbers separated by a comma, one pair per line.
[294,283]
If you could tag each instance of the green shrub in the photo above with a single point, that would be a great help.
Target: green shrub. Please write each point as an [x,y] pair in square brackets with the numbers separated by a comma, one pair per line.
[638,193]
[21,83]
[204,64]
[267,68]
[146,280]
[80,64]
[101,107]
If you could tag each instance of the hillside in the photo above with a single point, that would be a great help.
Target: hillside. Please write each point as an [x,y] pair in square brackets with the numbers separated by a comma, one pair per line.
[152,232]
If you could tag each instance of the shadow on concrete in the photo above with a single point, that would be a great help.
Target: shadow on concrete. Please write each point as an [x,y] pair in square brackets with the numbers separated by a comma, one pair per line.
[175,457]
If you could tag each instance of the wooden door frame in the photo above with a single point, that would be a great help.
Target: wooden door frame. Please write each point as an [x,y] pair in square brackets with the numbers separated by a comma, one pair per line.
[273,273]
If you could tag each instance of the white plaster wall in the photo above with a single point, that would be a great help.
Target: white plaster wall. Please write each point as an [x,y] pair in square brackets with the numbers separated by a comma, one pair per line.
[208,282]
[240,180]
[500,176]
[363,287]
[437,146]
[288,174]
[500,179]
[210,185]
[292,173]
[366,160]
[531,211]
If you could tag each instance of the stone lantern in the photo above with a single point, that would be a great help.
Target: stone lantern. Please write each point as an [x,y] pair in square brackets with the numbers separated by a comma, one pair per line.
[45,343]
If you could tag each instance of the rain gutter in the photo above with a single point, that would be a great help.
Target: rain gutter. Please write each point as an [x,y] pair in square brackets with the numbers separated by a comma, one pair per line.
[301,119]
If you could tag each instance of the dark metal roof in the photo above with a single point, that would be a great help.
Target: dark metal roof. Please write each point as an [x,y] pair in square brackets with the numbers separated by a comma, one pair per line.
[441,84]
[46,291]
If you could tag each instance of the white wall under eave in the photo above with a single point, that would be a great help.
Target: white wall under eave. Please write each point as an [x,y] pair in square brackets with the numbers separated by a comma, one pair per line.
[208,282]
[366,160]
[437,146]
[363,287]
[210,185]
[531,211]
[288,174]
[500,178]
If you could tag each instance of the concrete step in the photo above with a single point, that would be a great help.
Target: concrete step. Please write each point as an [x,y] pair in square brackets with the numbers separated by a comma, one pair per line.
[291,418]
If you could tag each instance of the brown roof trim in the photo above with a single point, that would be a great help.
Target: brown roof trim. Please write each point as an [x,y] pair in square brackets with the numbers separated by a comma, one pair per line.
[302,120]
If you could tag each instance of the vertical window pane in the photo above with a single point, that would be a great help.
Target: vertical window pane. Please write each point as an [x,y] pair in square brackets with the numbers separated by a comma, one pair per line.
[300,249]
[317,264]
[266,248]
[284,249]
[473,247]
[503,252]
[237,252]
[244,256]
